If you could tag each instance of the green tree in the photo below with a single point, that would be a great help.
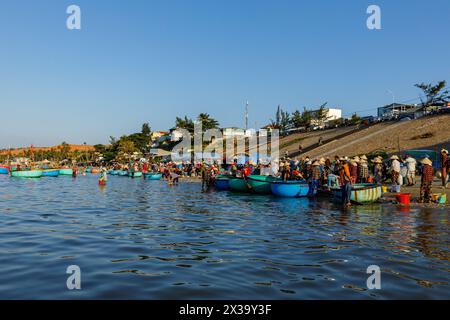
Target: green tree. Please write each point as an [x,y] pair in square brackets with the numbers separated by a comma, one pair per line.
[355,119]
[434,94]
[207,122]
[185,123]
[146,130]
[322,114]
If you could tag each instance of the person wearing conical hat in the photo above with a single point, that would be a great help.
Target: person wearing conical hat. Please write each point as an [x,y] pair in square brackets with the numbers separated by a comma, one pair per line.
[363,170]
[395,170]
[444,163]
[377,171]
[410,170]
[315,178]
[363,157]
[426,181]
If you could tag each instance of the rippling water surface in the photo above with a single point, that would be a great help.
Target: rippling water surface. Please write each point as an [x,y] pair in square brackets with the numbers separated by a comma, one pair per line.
[137,239]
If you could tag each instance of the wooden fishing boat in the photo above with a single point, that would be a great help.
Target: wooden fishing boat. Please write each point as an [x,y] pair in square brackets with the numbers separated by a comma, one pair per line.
[361,193]
[260,184]
[27,174]
[50,173]
[4,170]
[137,174]
[66,172]
[95,170]
[238,184]
[289,189]
[152,176]
[88,170]
[123,173]
[114,172]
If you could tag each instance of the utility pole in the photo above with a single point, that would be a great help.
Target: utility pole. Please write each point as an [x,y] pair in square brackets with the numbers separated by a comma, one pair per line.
[246,116]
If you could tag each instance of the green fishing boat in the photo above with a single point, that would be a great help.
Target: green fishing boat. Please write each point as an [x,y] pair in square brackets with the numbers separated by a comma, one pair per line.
[238,184]
[260,184]
[136,174]
[65,172]
[27,174]
[361,193]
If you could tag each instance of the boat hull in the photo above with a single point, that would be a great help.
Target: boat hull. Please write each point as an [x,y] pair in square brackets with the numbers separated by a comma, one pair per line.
[153,176]
[238,185]
[289,189]
[27,174]
[136,174]
[362,193]
[260,184]
[50,173]
[122,173]
[66,172]
[4,170]
[222,183]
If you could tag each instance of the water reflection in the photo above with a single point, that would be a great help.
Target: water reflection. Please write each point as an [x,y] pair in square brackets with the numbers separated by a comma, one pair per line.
[141,239]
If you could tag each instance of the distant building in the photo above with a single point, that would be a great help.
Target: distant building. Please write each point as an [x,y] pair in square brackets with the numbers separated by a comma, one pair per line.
[176,135]
[395,110]
[331,115]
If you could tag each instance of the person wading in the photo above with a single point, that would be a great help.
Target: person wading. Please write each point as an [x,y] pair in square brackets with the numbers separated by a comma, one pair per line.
[344,175]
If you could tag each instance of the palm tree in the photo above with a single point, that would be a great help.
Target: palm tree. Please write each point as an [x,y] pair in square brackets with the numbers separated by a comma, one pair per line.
[207,122]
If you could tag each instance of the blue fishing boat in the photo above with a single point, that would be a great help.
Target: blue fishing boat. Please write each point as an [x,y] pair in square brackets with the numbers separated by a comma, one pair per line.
[122,173]
[114,172]
[361,193]
[4,170]
[289,189]
[50,173]
[222,182]
[152,176]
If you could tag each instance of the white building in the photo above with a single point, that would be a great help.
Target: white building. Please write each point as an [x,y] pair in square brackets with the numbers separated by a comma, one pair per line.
[331,115]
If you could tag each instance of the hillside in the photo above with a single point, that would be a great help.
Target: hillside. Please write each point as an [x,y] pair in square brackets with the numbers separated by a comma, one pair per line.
[73,147]
[432,132]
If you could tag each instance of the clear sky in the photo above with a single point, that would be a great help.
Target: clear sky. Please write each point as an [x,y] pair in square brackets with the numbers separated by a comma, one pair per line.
[151,60]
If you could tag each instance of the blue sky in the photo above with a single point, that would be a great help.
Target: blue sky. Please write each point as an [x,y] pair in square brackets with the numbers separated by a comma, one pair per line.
[149,61]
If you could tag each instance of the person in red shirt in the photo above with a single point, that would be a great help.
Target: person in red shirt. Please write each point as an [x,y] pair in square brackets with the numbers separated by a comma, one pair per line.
[246,171]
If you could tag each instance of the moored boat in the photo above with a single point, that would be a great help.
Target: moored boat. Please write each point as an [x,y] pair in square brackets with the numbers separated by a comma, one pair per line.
[95,170]
[361,193]
[114,172]
[66,172]
[123,173]
[222,182]
[289,189]
[50,173]
[27,174]
[152,176]
[136,174]
[260,184]
[238,184]
[4,170]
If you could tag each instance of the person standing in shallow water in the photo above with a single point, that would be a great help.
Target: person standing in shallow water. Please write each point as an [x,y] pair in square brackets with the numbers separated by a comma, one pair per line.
[427,181]
[344,175]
